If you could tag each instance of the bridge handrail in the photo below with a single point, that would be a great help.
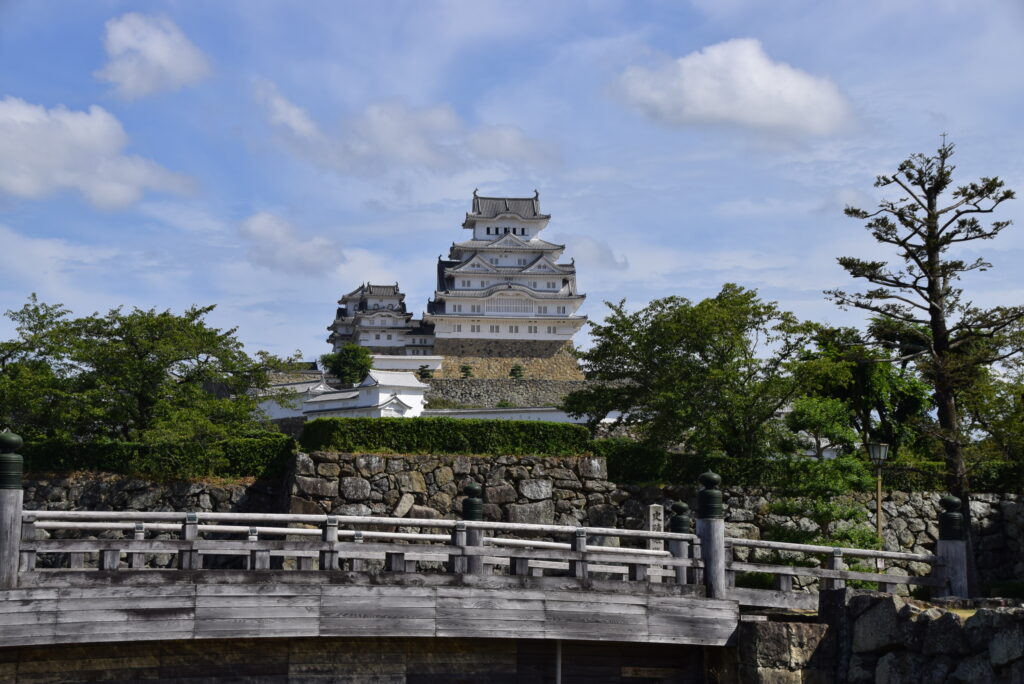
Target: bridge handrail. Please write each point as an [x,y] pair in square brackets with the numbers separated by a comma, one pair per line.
[846,551]
[372,521]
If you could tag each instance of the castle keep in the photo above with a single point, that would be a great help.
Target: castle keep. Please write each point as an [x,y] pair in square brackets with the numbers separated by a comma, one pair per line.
[501,294]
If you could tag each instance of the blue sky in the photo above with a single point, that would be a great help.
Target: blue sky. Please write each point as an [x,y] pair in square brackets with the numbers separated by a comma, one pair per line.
[269,157]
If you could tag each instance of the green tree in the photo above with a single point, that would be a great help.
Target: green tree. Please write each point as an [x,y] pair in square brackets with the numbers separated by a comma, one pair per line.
[350,364]
[516,372]
[466,370]
[918,298]
[138,375]
[713,375]
[822,423]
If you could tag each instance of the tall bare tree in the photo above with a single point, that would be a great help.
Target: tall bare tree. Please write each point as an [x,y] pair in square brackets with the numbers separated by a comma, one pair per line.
[922,309]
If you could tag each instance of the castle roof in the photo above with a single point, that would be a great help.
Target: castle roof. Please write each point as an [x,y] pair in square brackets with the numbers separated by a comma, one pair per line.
[376,291]
[508,243]
[525,208]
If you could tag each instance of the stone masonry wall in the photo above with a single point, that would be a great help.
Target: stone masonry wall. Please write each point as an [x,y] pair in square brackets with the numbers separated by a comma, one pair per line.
[862,637]
[909,522]
[495,359]
[473,392]
[108,492]
[559,490]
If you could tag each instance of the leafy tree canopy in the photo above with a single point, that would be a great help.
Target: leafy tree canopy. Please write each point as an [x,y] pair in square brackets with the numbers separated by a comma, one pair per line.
[141,375]
[713,375]
[350,364]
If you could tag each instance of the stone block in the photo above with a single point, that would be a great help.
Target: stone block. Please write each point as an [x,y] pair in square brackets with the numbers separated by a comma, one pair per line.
[315,486]
[403,506]
[603,515]
[425,512]
[411,481]
[352,509]
[535,490]
[945,636]
[878,628]
[899,667]
[304,464]
[499,494]
[303,506]
[540,513]
[443,475]
[328,470]
[1007,644]
[593,467]
[325,456]
[354,489]
[973,671]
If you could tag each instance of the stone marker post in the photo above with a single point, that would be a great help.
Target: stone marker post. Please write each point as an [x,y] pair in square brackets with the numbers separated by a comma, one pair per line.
[951,547]
[711,530]
[11,496]
[680,524]
[655,523]
[473,509]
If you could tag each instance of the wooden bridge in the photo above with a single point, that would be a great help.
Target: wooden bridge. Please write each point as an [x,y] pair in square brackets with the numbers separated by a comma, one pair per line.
[152,575]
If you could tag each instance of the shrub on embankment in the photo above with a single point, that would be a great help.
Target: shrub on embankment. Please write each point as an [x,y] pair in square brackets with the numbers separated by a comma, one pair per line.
[266,455]
[445,436]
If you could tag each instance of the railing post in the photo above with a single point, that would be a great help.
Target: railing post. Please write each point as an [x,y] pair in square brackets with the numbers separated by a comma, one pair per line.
[473,510]
[11,498]
[137,559]
[259,559]
[711,530]
[189,560]
[329,558]
[357,564]
[578,568]
[457,562]
[29,533]
[835,562]
[951,548]
[679,523]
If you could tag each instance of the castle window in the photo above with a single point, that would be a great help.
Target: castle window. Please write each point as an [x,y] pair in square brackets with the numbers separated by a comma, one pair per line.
[552,330]
[495,328]
[541,309]
[561,309]
[513,328]
[483,283]
[531,329]
[389,337]
[552,285]
[474,308]
[377,336]
[506,230]
[457,327]
[465,283]
[474,328]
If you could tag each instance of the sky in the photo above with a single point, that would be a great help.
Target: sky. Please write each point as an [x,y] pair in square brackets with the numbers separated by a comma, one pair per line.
[268,157]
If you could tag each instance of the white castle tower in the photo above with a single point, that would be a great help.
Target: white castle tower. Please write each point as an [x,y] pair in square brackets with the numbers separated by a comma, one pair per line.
[503,292]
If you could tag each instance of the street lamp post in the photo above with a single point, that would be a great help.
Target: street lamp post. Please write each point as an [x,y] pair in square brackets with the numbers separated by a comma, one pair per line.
[878,452]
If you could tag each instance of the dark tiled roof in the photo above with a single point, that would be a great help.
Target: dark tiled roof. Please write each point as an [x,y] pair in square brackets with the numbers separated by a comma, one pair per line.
[376,290]
[491,207]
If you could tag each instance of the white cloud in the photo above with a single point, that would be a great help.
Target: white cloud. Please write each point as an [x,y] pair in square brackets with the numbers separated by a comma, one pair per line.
[735,82]
[591,252]
[44,150]
[148,55]
[277,245]
[391,136]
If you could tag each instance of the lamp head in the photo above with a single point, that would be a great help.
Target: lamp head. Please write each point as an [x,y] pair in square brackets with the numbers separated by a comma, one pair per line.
[878,452]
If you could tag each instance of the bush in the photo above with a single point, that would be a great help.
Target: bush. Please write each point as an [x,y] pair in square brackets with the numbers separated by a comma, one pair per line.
[629,461]
[236,457]
[444,436]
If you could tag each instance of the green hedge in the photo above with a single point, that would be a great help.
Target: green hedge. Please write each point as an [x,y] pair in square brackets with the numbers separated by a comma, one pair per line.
[238,457]
[444,436]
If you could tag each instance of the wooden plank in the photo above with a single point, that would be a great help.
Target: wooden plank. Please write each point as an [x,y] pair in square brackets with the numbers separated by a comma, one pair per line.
[834,574]
[775,599]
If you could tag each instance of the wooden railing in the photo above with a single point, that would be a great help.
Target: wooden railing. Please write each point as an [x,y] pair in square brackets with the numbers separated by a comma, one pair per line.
[325,543]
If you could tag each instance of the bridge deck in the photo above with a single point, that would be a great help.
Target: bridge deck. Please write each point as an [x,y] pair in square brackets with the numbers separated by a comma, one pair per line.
[68,606]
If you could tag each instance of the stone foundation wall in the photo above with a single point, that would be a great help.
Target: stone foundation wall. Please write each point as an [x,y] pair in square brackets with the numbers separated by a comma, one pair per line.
[559,490]
[481,393]
[497,348]
[325,659]
[109,492]
[909,522]
[557,363]
[861,637]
